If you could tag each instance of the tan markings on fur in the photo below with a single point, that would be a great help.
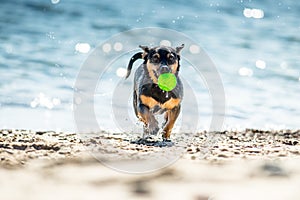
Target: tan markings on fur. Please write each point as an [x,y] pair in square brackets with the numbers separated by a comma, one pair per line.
[148,101]
[150,68]
[174,67]
[143,118]
[156,54]
[171,103]
[140,116]
[144,55]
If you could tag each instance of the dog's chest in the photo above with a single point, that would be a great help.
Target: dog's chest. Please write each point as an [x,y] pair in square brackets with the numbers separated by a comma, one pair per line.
[157,99]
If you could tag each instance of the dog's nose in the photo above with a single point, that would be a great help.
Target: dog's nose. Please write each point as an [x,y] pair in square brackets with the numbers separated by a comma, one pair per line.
[164,69]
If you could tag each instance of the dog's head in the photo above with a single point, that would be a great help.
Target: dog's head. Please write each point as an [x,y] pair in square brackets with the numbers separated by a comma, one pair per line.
[161,59]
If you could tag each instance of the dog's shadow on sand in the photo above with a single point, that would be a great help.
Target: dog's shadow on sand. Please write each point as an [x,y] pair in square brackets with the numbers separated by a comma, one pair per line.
[154,143]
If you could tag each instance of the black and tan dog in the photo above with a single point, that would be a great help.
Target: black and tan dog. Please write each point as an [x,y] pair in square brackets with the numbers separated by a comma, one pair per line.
[148,98]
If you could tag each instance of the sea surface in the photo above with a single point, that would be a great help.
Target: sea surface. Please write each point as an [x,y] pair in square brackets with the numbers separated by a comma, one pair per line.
[254,45]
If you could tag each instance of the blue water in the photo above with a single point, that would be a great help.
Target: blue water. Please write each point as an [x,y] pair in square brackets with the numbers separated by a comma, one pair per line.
[257,57]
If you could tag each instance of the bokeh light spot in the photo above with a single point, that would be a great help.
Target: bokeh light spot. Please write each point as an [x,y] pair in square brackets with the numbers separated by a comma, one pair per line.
[82,47]
[106,47]
[118,46]
[55,1]
[260,64]
[165,43]
[194,49]
[253,13]
[121,72]
[244,71]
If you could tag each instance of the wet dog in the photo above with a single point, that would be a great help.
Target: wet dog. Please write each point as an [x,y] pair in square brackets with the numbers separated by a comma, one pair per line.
[148,98]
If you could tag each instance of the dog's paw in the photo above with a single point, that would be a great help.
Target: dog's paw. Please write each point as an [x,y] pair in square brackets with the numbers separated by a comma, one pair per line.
[167,142]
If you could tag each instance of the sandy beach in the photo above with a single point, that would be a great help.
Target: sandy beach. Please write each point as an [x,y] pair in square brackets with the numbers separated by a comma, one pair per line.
[249,164]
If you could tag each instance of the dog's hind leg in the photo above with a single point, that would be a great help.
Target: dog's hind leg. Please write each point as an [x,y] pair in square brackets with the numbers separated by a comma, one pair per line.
[170,117]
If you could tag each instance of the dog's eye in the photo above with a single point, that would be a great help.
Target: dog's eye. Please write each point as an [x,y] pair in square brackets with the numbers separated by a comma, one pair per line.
[171,58]
[155,59]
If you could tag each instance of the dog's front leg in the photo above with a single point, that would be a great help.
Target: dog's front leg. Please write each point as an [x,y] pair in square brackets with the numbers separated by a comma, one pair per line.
[150,123]
[170,117]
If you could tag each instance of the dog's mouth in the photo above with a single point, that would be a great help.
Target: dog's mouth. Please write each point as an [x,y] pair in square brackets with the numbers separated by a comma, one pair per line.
[155,71]
[157,74]
[163,69]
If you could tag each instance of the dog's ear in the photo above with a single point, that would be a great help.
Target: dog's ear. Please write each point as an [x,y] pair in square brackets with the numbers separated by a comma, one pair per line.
[146,51]
[178,49]
[145,48]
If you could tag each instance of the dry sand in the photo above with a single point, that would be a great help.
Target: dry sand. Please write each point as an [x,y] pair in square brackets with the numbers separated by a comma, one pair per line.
[249,164]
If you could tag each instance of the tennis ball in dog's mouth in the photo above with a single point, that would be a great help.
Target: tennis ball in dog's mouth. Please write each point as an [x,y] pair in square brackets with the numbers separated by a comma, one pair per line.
[167,81]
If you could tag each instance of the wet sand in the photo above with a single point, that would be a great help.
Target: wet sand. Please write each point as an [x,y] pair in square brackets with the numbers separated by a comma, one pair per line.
[249,164]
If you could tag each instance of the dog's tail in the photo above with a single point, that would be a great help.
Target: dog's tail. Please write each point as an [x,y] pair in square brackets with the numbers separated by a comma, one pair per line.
[132,60]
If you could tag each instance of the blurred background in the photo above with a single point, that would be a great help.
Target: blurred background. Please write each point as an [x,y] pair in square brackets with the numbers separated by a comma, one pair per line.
[255,46]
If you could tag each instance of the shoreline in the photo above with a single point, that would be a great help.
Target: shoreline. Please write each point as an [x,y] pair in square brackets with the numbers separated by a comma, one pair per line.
[249,164]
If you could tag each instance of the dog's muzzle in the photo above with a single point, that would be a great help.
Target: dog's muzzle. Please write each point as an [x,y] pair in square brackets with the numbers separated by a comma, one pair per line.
[164,69]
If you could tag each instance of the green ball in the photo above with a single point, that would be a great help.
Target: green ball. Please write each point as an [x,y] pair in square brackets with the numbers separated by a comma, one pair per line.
[167,81]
